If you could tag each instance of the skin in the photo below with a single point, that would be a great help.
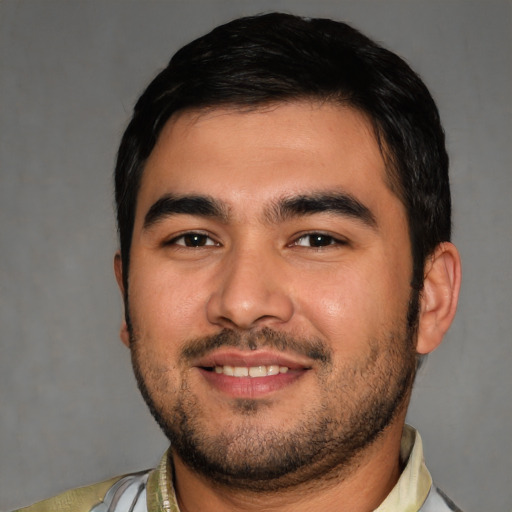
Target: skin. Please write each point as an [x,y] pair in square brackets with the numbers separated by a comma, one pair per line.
[255,271]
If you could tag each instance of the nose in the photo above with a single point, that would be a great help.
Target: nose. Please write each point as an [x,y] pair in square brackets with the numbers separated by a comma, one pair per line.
[251,291]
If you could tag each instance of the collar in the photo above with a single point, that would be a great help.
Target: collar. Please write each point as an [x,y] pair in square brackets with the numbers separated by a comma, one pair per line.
[160,488]
[408,495]
[414,483]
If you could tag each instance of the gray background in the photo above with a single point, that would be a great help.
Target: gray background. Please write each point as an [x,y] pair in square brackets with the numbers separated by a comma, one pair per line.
[70,413]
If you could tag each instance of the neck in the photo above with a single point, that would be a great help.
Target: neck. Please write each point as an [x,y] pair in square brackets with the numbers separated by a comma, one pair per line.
[358,488]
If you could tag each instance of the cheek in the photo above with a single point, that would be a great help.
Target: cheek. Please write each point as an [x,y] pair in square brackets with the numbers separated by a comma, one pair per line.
[352,307]
[165,304]
[336,305]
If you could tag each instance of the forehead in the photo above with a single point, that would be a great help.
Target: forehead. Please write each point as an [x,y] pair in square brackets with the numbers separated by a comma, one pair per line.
[253,156]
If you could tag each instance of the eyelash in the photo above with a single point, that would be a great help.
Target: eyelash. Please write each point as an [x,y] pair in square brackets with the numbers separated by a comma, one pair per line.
[324,240]
[190,235]
[332,240]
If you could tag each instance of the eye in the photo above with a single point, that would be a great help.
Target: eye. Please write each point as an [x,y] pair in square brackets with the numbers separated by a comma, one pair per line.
[193,240]
[317,240]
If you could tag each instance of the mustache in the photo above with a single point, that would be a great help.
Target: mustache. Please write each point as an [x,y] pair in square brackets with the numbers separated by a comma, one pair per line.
[314,349]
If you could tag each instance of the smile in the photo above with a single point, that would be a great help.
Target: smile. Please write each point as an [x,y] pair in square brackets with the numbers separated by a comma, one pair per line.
[251,374]
[250,371]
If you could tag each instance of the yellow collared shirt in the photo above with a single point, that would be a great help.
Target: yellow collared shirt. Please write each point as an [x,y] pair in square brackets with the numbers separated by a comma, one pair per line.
[153,491]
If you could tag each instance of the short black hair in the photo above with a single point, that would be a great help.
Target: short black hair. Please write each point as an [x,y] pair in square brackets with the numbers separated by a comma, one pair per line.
[271,58]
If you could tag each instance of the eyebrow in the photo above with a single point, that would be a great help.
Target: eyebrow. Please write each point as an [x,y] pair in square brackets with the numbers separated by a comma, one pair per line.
[170,205]
[283,209]
[337,203]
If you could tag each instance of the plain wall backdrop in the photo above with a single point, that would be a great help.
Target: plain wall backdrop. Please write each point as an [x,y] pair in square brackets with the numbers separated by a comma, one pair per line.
[70,71]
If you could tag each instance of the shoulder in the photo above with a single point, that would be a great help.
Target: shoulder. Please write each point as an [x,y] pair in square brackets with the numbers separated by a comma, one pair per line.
[437,501]
[96,497]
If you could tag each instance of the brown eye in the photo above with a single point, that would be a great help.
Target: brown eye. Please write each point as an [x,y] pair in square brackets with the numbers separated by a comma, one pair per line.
[317,240]
[193,240]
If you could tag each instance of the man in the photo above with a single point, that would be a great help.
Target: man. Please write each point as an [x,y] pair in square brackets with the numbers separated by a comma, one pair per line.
[284,219]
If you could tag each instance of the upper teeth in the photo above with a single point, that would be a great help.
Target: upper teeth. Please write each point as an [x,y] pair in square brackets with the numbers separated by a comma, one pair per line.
[252,371]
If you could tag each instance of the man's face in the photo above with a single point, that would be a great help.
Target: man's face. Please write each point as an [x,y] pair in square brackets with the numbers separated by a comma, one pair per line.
[268,292]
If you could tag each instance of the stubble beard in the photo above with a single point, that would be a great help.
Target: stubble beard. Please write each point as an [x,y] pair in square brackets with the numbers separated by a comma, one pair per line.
[325,441]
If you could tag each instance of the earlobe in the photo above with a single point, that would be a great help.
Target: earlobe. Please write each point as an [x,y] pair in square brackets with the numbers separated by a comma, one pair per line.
[118,270]
[124,334]
[439,297]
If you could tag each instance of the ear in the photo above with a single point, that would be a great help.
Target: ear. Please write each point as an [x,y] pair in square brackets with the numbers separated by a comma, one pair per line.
[118,269]
[438,301]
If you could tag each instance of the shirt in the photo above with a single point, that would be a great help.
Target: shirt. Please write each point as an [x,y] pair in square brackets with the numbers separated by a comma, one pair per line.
[153,491]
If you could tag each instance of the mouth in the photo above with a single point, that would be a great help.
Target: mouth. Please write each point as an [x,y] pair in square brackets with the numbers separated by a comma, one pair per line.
[251,374]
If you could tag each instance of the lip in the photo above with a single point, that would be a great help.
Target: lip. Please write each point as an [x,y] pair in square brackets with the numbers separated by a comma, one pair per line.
[234,357]
[252,387]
